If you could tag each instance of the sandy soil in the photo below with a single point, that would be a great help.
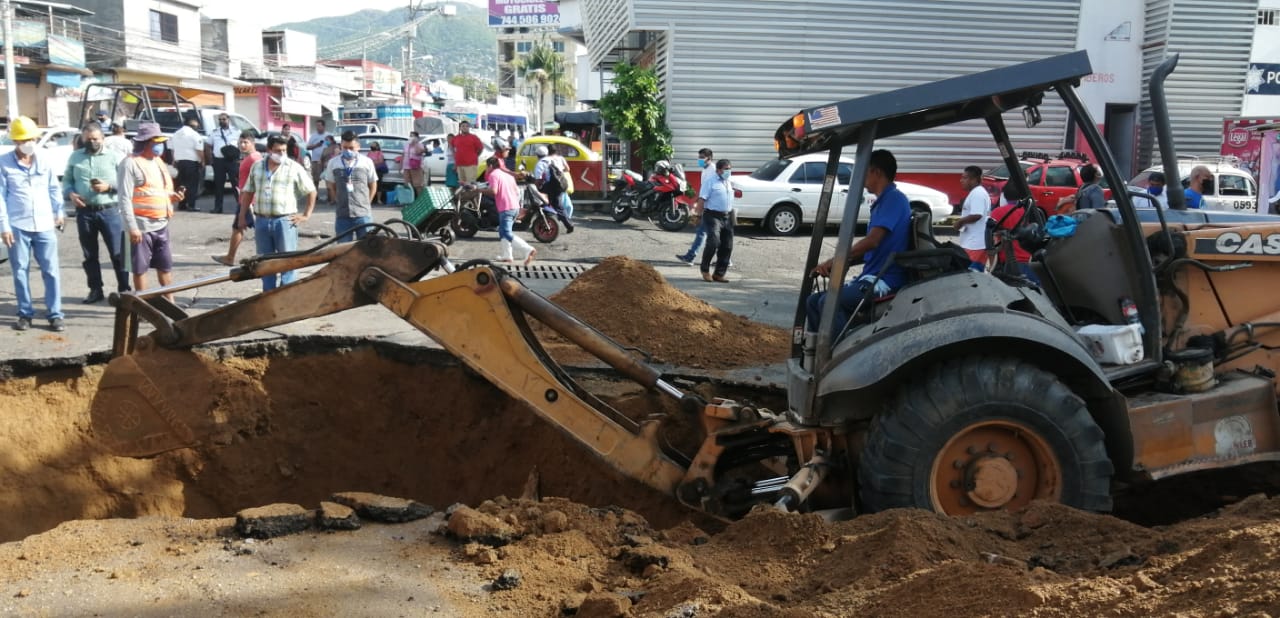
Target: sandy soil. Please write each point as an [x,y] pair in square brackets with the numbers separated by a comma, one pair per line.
[88,533]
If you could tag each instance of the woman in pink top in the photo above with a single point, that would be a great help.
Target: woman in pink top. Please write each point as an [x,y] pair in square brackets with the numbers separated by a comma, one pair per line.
[506,195]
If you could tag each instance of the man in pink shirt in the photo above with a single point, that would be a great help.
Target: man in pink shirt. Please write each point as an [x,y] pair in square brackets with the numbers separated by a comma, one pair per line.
[506,195]
[249,155]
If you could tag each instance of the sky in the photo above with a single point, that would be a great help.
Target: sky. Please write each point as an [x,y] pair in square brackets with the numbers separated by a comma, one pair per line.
[271,13]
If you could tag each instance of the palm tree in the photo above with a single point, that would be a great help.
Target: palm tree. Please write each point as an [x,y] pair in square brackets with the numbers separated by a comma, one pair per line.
[545,66]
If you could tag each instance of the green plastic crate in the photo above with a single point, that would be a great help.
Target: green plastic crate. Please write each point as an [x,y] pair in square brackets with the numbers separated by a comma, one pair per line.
[428,201]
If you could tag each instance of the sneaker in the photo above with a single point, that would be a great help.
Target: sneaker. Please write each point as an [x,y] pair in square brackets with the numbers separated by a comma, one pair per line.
[568,227]
[685,258]
[56,325]
[22,324]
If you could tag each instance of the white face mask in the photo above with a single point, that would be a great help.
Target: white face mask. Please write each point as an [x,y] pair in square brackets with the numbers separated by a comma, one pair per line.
[27,148]
[277,157]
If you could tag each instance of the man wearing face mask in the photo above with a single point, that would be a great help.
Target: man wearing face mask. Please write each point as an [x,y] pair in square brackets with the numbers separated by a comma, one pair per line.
[715,202]
[89,183]
[147,196]
[705,157]
[273,189]
[1155,187]
[30,212]
[221,142]
[1197,185]
[352,177]
[187,146]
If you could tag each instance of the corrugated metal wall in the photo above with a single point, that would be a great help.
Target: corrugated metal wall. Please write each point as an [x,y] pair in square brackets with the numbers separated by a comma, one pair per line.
[738,69]
[604,24]
[1214,38]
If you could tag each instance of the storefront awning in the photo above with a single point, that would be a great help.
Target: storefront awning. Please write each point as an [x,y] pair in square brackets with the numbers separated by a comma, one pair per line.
[66,79]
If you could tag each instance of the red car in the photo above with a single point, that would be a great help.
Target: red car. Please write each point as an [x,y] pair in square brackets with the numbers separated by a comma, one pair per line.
[1050,179]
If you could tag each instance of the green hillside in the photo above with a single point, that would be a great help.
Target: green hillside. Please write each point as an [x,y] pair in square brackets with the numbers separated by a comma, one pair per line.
[462,44]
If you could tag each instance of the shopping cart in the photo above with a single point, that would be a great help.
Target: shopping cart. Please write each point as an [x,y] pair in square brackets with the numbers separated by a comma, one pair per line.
[431,213]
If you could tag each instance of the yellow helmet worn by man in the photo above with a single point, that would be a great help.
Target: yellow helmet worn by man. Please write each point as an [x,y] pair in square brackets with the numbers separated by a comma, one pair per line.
[23,128]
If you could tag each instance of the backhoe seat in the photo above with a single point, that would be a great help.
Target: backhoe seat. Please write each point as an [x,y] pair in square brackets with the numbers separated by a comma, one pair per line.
[922,228]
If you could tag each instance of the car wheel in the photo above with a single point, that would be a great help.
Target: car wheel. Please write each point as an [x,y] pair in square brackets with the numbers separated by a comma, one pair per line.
[783,220]
[984,433]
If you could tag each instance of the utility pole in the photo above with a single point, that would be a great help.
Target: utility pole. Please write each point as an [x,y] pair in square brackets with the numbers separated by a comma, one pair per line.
[408,59]
[10,74]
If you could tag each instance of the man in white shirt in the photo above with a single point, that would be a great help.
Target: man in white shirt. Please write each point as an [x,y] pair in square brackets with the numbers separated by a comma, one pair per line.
[223,140]
[354,180]
[316,145]
[188,156]
[117,142]
[972,223]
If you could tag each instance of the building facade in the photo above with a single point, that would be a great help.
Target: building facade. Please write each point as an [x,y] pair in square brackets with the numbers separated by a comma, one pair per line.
[49,61]
[731,72]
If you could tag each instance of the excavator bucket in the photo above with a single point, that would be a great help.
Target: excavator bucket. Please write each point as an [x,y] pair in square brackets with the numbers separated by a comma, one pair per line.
[156,401]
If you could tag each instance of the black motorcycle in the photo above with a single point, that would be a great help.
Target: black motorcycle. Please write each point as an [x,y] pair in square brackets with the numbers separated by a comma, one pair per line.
[476,212]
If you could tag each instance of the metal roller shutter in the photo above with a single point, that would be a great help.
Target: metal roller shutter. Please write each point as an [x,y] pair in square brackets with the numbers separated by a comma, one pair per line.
[1214,38]
[736,70]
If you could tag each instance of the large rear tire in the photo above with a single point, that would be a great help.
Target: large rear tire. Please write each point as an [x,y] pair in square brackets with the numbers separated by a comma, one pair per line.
[982,433]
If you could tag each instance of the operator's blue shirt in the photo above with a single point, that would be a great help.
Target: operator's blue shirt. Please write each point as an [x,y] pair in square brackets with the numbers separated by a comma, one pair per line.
[891,211]
[1194,199]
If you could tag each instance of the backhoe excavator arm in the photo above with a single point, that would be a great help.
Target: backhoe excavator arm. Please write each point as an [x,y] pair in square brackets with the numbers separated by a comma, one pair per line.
[148,404]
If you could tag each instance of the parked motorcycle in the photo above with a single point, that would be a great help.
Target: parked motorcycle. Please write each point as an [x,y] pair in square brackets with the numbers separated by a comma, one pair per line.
[662,196]
[477,212]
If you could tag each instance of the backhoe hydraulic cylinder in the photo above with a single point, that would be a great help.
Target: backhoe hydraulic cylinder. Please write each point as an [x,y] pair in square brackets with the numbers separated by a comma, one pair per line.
[584,336]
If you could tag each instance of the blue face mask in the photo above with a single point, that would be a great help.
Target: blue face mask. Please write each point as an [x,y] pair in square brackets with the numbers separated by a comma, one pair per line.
[1155,190]
[157,149]
[348,154]
[725,174]
[702,163]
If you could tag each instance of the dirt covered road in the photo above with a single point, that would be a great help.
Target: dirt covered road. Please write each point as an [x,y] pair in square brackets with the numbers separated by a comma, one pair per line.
[549,530]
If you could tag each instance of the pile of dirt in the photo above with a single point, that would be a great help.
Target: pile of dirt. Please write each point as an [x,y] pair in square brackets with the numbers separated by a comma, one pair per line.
[296,429]
[631,302]
[303,428]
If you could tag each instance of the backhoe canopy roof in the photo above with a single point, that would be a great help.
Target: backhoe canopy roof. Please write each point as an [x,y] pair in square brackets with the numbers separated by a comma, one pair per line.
[906,110]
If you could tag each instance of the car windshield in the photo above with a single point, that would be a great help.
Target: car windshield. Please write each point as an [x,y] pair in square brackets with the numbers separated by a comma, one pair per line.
[386,143]
[770,171]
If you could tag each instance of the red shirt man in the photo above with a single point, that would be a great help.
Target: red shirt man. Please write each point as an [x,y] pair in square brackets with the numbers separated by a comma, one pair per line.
[467,148]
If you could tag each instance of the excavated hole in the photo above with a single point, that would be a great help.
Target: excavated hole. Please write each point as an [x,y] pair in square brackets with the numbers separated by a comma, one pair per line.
[396,421]
[310,425]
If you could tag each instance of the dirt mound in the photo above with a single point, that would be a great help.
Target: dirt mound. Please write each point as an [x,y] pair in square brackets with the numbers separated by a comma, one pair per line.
[630,301]
[297,429]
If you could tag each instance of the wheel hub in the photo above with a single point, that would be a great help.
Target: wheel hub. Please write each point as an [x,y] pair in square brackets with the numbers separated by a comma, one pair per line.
[993,465]
[992,482]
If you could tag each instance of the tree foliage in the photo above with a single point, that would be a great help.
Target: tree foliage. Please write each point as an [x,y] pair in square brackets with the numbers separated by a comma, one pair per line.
[476,88]
[543,65]
[637,113]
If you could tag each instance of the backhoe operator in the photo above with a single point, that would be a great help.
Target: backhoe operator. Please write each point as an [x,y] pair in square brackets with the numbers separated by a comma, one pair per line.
[888,233]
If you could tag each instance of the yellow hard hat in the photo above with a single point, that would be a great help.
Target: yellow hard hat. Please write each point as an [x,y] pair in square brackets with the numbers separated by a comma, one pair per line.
[23,128]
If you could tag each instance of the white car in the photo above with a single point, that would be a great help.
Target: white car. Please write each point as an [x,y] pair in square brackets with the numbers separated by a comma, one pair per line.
[1232,189]
[55,146]
[783,194]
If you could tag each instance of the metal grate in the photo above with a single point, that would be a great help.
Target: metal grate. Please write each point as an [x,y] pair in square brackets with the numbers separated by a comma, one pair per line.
[545,271]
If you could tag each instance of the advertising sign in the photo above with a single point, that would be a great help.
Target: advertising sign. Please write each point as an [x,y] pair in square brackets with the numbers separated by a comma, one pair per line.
[1243,144]
[508,13]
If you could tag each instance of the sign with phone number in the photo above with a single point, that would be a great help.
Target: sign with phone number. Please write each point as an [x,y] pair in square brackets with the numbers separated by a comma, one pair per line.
[507,13]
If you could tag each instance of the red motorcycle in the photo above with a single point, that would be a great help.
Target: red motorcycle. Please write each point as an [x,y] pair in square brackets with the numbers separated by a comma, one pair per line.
[662,196]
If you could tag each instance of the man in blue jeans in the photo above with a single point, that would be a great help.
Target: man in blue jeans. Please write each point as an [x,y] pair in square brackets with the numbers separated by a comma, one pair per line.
[705,156]
[30,216]
[273,188]
[89,183]
[888,232]
[353,178]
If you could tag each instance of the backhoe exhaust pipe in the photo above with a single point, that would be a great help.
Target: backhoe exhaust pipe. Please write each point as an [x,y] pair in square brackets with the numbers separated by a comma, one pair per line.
[1164,132]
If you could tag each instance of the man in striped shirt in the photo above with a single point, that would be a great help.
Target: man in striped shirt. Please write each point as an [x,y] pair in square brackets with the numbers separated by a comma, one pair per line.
[274,186]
